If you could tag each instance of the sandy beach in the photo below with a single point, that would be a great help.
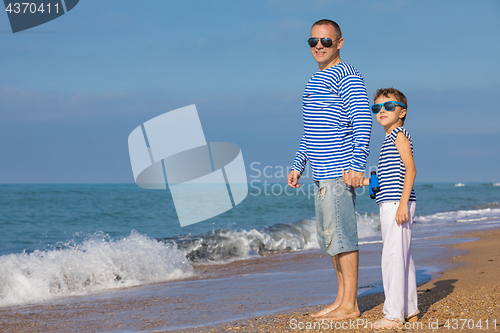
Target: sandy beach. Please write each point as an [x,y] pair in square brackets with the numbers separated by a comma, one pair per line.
[464,298]
[463,295]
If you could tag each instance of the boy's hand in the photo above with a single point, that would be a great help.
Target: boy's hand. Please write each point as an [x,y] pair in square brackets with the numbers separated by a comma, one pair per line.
[402,214]
[293,179]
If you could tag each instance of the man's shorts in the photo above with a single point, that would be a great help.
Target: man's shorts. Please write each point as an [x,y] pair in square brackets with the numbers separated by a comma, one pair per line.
[336,226]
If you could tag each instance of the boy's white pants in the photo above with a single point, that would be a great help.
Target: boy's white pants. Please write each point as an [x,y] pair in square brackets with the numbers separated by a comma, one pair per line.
[398,268]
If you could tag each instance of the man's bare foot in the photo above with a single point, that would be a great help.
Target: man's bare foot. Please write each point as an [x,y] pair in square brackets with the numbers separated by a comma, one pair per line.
[340,314]
[326,310]
[386,324]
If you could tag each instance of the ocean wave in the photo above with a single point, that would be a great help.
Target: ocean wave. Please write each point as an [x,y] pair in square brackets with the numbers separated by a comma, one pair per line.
[224,245]
[96,264]
[79,267]
[470,215]
[368,224]
[489,205]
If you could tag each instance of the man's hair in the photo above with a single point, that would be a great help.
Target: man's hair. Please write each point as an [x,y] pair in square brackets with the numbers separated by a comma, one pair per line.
[400,97]
[332,23]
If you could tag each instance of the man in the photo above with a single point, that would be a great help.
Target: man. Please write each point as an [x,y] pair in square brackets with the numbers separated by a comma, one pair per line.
[337,127]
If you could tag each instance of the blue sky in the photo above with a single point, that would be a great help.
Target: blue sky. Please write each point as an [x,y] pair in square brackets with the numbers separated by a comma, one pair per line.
[73,89]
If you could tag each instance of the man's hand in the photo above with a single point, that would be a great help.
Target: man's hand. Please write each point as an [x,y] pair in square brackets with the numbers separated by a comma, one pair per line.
[293,179]
[354,178]
[366,181]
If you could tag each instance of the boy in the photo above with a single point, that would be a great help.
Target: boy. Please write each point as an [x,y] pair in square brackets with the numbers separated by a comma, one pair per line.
[397,202]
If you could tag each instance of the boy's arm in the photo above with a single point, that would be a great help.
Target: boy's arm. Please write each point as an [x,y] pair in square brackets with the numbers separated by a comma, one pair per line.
[366,181]
[404,149]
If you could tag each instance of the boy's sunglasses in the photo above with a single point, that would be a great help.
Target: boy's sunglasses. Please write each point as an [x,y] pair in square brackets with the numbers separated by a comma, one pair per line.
[388,106]
[326,42]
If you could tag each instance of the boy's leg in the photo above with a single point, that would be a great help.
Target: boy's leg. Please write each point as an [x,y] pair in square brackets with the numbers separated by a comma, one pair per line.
[412,305]
[395,262]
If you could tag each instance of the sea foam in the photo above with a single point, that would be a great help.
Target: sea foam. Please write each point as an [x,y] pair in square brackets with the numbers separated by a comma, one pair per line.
[96,264]
[223,245]
[471,215]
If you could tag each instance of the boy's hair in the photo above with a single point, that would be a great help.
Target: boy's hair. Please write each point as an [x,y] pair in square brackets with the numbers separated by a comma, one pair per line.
[329,22]
[400,97]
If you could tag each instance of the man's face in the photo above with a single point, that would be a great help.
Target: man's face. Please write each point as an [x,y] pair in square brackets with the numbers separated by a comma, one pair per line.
[326,56]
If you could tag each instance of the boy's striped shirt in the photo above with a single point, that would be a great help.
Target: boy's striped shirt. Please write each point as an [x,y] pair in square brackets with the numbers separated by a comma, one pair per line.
[391,170]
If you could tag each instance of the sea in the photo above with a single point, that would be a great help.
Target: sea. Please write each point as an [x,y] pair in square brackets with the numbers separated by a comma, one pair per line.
[59,241]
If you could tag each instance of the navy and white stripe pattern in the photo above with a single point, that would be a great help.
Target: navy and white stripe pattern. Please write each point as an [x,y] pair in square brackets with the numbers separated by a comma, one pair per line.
[337,123]
[391,170]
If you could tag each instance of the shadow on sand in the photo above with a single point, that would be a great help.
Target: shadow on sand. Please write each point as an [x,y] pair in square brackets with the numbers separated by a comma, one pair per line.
[426,297]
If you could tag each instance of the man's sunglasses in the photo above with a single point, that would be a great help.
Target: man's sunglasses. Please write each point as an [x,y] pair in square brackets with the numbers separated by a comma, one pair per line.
[388,106]
[326,42]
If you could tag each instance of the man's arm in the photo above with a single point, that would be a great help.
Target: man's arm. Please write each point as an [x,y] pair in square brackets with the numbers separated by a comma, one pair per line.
[353,92]
[300,162]
[299,165]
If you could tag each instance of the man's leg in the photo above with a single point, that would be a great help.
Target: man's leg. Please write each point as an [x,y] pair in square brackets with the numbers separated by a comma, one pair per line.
[340,290]
[337,233]
[348,268]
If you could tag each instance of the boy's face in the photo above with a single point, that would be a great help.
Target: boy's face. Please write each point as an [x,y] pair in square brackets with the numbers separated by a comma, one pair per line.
[389,119]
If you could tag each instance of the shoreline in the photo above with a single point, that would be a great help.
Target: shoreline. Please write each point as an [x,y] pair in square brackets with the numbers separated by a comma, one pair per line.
[468,292]
[155,307]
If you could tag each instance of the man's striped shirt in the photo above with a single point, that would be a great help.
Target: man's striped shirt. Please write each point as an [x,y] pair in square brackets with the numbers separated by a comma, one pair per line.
[391,170]
[337,123]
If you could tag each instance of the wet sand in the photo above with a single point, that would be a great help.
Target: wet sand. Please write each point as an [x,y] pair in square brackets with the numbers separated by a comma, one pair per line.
[470,291]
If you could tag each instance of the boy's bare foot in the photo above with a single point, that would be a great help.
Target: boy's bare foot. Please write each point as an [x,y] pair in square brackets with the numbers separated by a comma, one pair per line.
[412,319]
[326,310]
[387,324]
[340,313]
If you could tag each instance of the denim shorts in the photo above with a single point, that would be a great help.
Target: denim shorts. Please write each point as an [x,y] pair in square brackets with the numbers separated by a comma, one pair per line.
[336,226]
